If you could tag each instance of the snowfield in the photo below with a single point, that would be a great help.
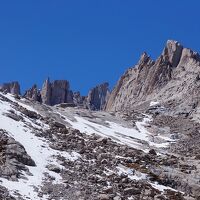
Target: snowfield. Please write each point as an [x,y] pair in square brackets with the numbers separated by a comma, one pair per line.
[129,136]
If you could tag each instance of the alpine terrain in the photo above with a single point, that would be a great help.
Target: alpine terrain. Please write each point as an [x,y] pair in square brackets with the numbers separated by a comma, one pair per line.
[139,141]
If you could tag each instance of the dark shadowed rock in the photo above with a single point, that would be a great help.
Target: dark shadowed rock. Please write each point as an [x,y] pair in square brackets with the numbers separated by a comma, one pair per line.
[33,94]
[13,88]
[56,92]
[172,52]
[14,157]
[54,168]
[98,97]
[59,91]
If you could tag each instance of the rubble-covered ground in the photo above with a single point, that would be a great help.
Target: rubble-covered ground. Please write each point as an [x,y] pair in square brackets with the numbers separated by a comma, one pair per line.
[70,153]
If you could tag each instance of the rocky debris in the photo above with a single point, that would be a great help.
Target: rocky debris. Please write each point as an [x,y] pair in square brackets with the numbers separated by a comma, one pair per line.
[98,97]
[4,194]
[161,81]
[67,105]
[33,94]
[181,166]
[13,88]
[29,113]
[58,125]
[54,168]
[14,116]
[152,151]
[104,197]
[99,170]
[13,158]
[95,174]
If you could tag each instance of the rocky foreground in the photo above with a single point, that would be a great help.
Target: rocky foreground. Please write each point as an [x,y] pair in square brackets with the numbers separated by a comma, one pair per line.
[44,157]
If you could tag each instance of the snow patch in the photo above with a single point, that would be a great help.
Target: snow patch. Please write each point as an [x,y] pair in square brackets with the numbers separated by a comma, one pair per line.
[129,136]
[154,103]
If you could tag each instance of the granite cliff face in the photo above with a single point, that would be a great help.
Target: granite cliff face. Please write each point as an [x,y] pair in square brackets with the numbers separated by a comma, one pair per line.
[173,79]
[98,96]
[13,88]
[56,92]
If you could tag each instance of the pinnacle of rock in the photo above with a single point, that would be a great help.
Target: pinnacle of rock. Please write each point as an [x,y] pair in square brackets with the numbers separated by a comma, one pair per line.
[172,52]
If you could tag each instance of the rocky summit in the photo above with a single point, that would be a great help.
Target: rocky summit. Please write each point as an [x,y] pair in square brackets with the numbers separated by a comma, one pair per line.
[172,79]
[138,142]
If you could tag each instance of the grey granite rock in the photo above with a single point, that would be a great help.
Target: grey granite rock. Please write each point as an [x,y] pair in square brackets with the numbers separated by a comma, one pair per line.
[13,88]
[56,92]
[172,80]
[33,94]
[98,97]
[46,92]
[14,157]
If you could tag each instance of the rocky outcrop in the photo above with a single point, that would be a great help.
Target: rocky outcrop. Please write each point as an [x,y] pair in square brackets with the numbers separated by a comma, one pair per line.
[13,157]
[56,92]
[46,92]
[98,97]
[172,79]
[13,88]
[33,94]
[79,100]
[172,52]
[59,92]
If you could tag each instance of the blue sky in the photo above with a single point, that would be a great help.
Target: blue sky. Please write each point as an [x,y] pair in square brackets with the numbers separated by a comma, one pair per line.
[91,41]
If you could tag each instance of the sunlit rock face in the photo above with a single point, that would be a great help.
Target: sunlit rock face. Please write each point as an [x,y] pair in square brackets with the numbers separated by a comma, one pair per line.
[173,78]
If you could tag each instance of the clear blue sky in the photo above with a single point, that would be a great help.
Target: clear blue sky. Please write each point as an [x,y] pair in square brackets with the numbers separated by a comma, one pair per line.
[88,41]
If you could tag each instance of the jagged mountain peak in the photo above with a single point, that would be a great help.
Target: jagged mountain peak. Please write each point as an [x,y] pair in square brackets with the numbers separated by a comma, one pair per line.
[172,52]
[171,76]
[144,59]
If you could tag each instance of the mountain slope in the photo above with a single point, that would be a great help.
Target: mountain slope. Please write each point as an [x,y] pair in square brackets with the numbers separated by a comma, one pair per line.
[64,163]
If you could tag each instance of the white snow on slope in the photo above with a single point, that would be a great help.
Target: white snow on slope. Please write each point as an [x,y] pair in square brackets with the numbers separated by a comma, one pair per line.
[39,151]
[141,176]
[154,103]
[12,98]
[129,136]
